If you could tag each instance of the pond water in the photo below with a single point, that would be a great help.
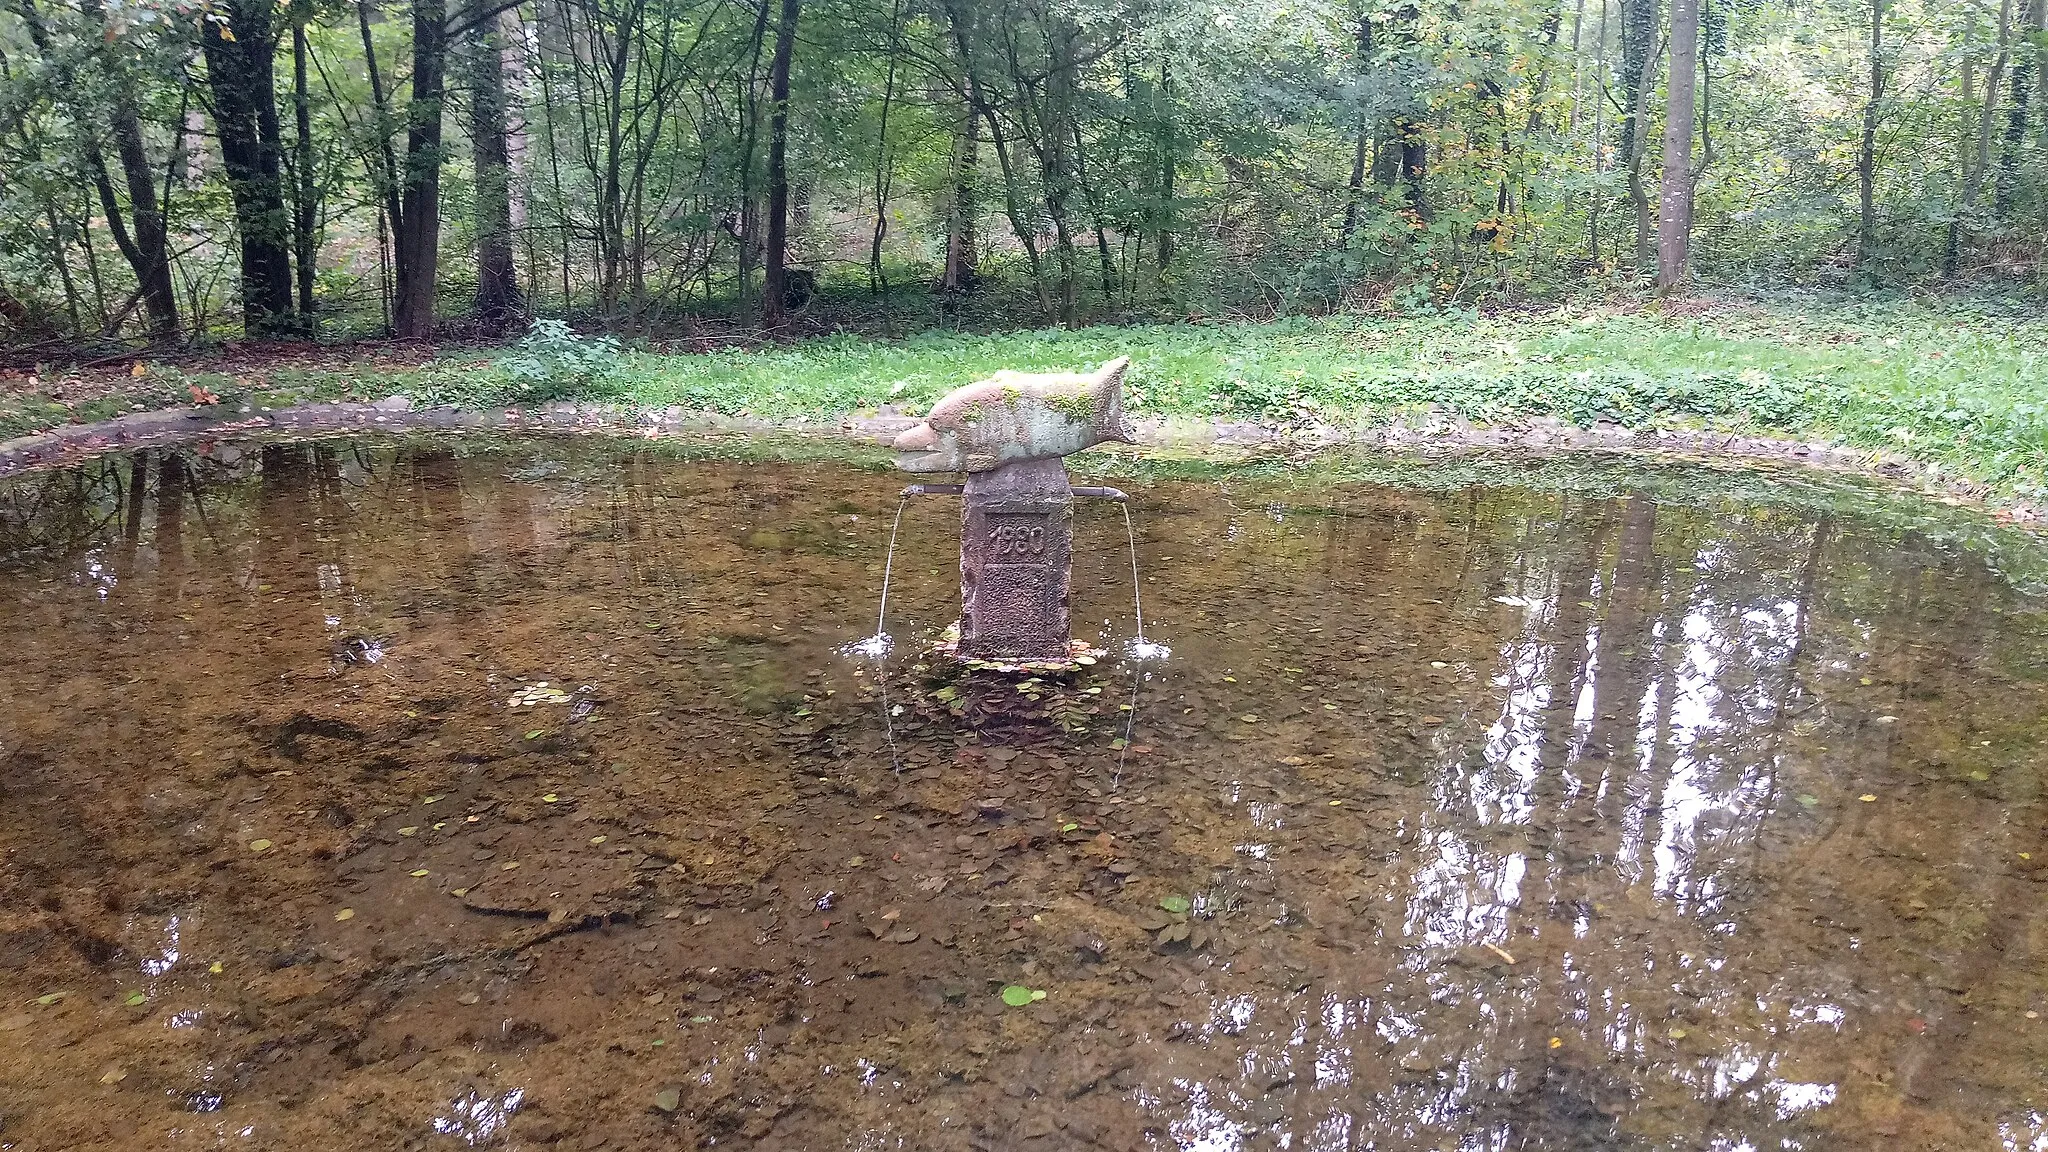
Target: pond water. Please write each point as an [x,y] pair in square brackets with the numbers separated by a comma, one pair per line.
[434,795]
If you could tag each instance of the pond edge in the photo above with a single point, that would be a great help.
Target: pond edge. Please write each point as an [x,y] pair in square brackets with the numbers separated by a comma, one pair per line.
[1428,434]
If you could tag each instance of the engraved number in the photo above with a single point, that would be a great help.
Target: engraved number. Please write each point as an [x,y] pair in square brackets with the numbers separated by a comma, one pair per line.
[1016,539]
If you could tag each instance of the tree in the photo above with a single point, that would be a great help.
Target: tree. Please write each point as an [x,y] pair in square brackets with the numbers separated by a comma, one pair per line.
[1866,153]
[774,290]
[239,40]
[1674,211]
[499,302]
[416,233]
[1639,20]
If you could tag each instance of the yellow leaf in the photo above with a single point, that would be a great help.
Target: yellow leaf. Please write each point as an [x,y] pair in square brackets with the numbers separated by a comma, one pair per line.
[345,914]
[259,845]
[1556,1042]
[138,370]
[227,34]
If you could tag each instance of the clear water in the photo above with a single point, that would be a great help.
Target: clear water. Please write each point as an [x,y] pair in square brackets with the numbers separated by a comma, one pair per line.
[378,797]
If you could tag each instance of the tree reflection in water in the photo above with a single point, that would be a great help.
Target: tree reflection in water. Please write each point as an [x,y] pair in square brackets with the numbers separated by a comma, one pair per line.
[1523,818]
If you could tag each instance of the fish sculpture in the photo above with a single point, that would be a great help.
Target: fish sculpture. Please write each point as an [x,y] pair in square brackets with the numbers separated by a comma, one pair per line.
[1015,416]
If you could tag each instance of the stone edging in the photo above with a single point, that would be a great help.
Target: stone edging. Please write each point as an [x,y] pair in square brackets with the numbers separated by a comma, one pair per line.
[1431,432]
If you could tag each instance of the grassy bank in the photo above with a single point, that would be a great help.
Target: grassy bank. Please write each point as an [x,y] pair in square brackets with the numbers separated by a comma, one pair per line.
[1961,386]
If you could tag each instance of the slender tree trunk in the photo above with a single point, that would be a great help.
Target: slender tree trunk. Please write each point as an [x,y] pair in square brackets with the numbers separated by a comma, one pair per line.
[748,224]
[1108,262]
[1355,193]
[2015,124]
[1674,213]
[241,51]
[1412,146]
[1169,164]
[774,306]
[419,221]
[1866,156]
[147,250]
[1595,201]
[959,17]
[1976,158]
[499,302]
[962,246]
[1639,21]
[305,202]
[885,160]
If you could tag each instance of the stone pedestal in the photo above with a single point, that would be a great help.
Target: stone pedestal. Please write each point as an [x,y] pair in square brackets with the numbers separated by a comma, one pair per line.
[1016,562]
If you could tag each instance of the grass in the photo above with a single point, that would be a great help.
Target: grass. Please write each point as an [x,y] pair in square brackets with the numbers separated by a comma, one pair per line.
[1959,385]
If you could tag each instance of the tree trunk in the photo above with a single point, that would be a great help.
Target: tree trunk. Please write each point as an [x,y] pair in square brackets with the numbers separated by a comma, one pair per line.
[1639,20]
[1866,155]
[499,302]
[962,247]
[885,160]
[1410,149]
[240,55]
[1169,164]
[305,202]
[148,251]
[748,225]
[774,307]
[959,17]
[1356,191]
[1674,214]
[2015,125]
[419,220]
[1594,200]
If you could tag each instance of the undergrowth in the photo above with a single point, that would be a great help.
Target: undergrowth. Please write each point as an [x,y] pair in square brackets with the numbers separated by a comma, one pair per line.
[1953,384]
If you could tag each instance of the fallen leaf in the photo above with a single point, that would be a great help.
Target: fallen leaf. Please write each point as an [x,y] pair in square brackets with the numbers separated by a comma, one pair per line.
[259,845]
[668,1099]
[1017,995]
[1868,798]
[345,914]
[135,1000]
[113,1075]
[49,998]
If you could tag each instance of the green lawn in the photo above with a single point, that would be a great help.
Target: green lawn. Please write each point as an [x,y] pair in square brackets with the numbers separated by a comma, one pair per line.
[1960,385]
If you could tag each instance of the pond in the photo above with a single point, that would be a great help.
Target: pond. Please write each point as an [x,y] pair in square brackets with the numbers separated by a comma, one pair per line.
[437,794]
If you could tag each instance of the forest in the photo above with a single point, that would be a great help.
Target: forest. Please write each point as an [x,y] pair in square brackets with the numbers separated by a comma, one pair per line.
[194,170]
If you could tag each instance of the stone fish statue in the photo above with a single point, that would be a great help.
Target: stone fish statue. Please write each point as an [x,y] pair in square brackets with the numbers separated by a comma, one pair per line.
[1015,416]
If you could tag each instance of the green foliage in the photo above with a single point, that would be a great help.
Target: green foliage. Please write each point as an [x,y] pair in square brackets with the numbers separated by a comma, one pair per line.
[1953,386]
[551,362]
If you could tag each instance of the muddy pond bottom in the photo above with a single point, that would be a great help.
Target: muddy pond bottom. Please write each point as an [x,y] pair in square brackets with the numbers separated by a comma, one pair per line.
[426,796]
